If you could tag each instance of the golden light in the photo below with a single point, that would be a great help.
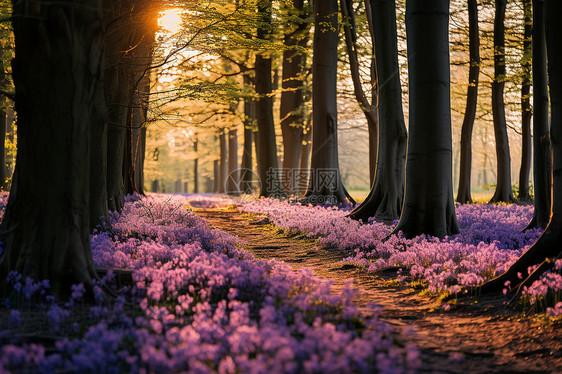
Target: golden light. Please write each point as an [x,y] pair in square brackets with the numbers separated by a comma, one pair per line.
[170,20]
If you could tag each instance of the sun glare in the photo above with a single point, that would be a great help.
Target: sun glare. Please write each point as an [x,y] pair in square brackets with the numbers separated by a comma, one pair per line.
[170,20]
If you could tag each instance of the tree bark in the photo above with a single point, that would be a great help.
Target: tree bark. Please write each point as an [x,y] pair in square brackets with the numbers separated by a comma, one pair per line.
[268,164]
[369,108]
[117,87]
[129,47]
[10,135]
[223,165]
[155,186]
[247,164]
[304,164]
[136,132]
[98,159]
[526,112]
[325,183]
[46,230]
[217,176]
[465,170]
[195,166]
[140,97]
[503,191]
[428,203]
[384,201]
[291,111]
[549,244]
[3,167]
[233,182]
[139,160]
[542,156]
[4,118]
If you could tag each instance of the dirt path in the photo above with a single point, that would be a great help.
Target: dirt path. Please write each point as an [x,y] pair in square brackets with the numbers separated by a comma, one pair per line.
[482,337]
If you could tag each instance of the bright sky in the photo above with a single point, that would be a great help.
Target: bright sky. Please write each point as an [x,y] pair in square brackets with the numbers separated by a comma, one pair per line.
[170,20]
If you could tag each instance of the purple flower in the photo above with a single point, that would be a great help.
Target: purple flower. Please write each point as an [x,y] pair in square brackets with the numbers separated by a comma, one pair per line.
[78,291]
[15,318]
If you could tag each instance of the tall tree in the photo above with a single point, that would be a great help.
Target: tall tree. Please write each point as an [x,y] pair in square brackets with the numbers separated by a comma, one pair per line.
[526,112]
[48,238]
[4,118]
[549,244]
[129,44]
[99,207]
[369,108]
[119,42]
[233,182]
[3,168]
[384,201]
[10,136]
[196,164]
[465,169]
[216,176]
[542,156]
[503,191]
[133,172]
[292,98]
[268,164]
[6,99]
[428,202]
[223,165]
[246,166]
[325,184]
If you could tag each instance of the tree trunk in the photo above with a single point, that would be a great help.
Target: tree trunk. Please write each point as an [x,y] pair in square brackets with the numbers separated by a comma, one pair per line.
[268,166]
[549,244]
[256,150]
[302,183]
[369,108]
[117,87]
[195,167]
[3,129]
[115,152]
[325,183]
[140,60]
[503,191]
[542,156]
[46,230]
[373,133]
[526,113]
[292,96]
[428,203]
[139,160]
[98,160]
[136,136]
[129,52]
[247,165]
[10,135]
[217,176]
[233,182]
[247,162]
[3,167]
[384,201]
[465,170]
[223,166]
[155,186]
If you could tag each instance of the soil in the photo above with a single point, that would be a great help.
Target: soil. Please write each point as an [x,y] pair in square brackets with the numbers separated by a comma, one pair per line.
[477,335]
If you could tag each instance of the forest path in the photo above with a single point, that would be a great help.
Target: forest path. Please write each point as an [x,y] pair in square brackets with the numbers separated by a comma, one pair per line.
[482,337]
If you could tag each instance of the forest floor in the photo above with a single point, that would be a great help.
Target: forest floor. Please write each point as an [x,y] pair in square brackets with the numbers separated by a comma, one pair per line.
[477,335]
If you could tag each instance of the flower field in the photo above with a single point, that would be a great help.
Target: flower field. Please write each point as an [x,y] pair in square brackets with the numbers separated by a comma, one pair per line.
[491,239]
[198,303]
